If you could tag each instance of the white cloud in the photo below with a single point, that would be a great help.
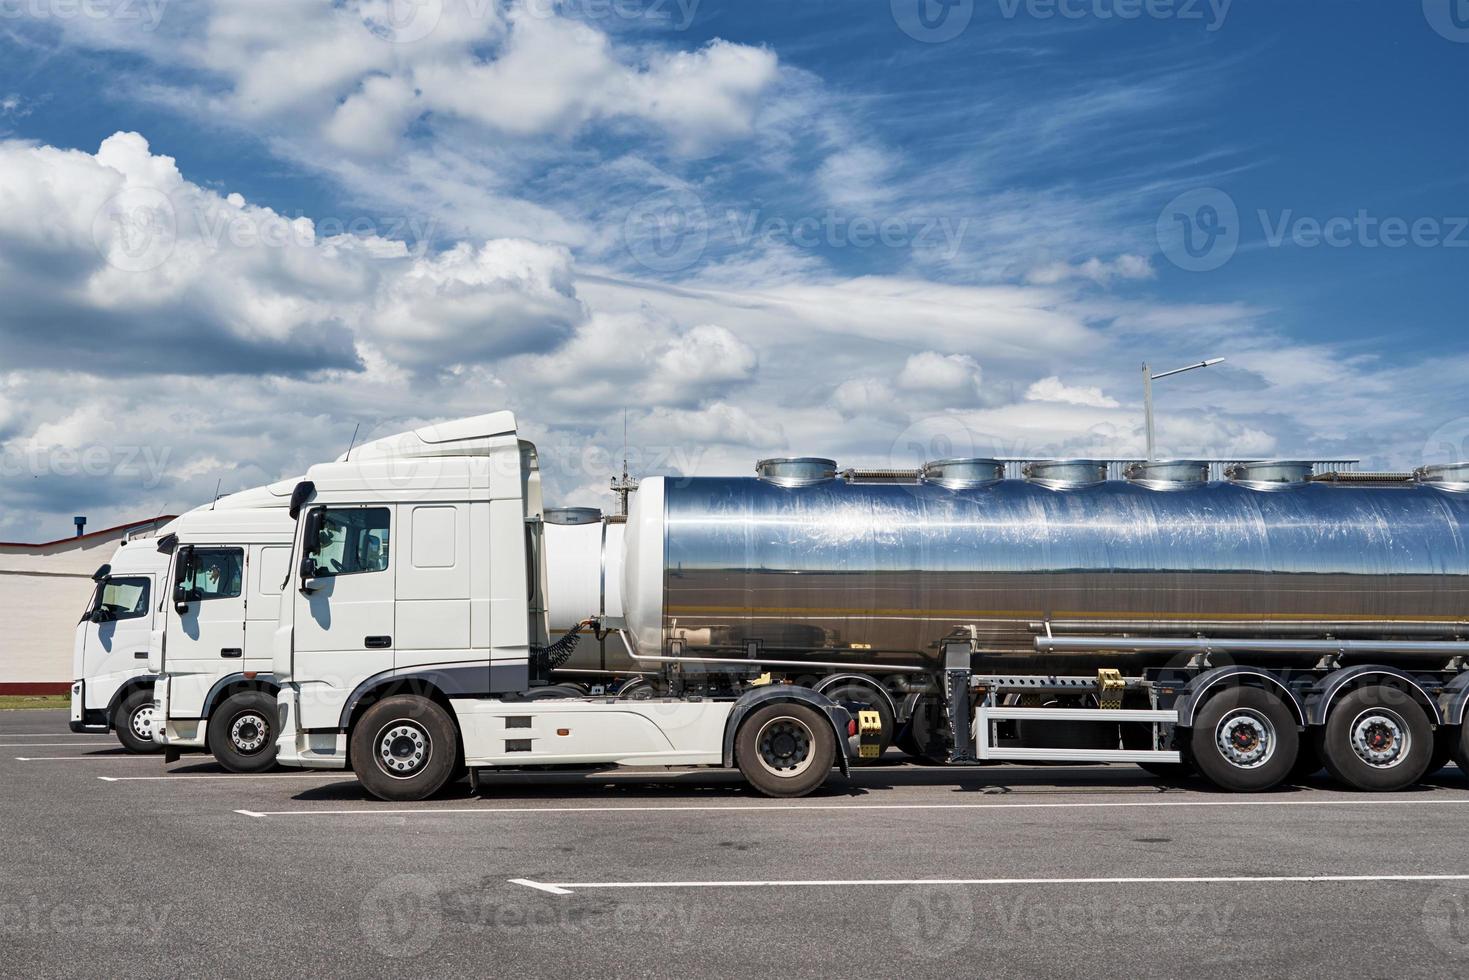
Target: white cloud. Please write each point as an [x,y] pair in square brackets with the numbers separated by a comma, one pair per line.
[1096,270]
[1053,390]
[933,371]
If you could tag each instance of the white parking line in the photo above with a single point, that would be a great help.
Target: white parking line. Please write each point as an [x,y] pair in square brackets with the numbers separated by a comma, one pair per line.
[55,745]
[811,807]
[225,775]
[86,758]
[571,887]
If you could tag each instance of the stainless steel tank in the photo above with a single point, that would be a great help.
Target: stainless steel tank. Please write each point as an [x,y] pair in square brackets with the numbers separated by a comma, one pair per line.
[819,568]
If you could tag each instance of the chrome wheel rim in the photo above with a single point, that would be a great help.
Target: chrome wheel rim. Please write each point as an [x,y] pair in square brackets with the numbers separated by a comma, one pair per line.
[249,732]
[785,747]
[403,749]
[1380,737]
[1245,738]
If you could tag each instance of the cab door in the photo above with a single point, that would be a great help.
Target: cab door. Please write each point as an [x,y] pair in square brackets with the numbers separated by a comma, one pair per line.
[114,635]
[344,606]
[206,624]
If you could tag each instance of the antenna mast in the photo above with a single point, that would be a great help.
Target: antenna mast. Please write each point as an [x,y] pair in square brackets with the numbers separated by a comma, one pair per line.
[624,485]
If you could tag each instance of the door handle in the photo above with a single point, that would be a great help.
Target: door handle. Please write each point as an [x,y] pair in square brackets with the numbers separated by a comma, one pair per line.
[140,655]
[377,642]
[232,652]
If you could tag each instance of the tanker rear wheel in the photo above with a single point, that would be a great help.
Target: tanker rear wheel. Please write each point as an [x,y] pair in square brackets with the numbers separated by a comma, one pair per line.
[1444,740]
[785,750]
[1244,739]
[1377,739]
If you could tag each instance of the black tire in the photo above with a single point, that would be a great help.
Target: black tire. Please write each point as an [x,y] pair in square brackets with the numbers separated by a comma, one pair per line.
[242,732]
[1381,719]
[1308,761]
[1244,740]
[924,738]
[875,702]
[404,748]
[637,689]
[1459,747]
[131,721]
[785,750]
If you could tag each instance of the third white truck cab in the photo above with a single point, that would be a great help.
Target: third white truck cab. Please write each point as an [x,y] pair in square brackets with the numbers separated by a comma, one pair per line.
[228,564]
[113,687]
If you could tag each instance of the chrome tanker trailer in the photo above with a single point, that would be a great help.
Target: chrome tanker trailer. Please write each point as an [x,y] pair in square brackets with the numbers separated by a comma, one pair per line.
[1238,625]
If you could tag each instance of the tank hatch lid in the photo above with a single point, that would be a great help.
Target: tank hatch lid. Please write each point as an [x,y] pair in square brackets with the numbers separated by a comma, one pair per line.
[1168,474]
[1447,476]
[461,437]
[573,515]
[961,473]
[1065,473]
[796,471]
[1271,473]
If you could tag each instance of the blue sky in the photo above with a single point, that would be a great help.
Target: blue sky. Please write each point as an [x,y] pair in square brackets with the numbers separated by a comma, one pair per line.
[871,229]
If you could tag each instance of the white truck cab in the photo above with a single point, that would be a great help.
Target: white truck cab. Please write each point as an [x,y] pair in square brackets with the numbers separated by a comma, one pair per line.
[113,686]
[413,634]
[211,646]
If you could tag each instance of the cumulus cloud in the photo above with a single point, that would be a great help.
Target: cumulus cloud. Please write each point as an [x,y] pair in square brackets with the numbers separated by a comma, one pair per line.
[120,242]
[1052,389]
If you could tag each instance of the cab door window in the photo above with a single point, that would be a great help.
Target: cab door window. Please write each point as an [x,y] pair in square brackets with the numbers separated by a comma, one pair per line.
[121,598]
[211,573]
[351,541]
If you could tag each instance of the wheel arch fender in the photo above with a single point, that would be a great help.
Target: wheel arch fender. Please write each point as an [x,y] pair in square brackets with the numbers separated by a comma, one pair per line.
[1212,681]
[835,714]
[231,683]
[1331,687]
[1456,700]
[864,680]
[126,688]
[435,683]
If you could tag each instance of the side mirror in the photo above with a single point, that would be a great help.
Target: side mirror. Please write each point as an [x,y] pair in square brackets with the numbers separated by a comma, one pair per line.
[100,575]
[102,616]
[183,572]
[307,573]
[302,492]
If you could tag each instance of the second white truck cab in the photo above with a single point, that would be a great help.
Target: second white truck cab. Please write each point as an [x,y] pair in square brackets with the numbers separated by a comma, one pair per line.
[113,686]
[211,649]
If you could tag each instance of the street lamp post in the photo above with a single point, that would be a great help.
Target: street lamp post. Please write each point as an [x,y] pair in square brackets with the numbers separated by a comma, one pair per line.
[1148,378]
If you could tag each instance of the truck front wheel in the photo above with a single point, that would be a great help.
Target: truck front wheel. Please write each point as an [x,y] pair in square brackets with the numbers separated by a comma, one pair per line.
[785,750]
[241,734]
[404,748]
[133,722]
[1244,740]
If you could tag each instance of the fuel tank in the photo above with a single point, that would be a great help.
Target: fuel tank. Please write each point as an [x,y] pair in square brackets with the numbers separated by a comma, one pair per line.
[803,564]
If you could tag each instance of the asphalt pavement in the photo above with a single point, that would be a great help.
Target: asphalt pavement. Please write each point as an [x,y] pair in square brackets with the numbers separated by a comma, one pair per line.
[114,864]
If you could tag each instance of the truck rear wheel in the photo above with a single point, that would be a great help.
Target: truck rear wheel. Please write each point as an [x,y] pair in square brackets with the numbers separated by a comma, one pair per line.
[1245,740]
[875,702]
[1377,739]
[785,750]
[133,722]
[241,733]
[404,748]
